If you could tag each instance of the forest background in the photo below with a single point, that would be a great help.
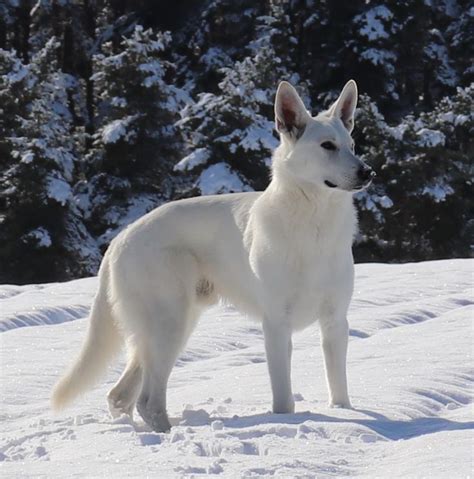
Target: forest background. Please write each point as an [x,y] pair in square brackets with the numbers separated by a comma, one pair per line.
[110,108]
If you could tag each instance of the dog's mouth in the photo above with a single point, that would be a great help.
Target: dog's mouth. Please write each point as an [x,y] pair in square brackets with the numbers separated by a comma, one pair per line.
[359,187]
[366,183]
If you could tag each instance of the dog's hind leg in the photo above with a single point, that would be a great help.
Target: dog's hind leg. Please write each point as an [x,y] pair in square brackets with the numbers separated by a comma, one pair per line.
[161,350]
[123,396]
[170,316]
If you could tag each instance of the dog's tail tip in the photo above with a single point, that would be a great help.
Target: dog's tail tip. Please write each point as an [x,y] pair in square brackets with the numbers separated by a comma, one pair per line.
[102,342]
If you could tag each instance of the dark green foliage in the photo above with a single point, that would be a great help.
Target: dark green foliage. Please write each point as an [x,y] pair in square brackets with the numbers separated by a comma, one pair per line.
[38,155]
[420,205]
[104,114]
[136,143]
[235,124]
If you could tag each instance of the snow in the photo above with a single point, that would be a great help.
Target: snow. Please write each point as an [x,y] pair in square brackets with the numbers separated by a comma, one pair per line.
[257,137]
[372,22]
[439,191]
[215,58]
[398,131]
[123,216]
[58,190]
[410,375]
[63,158]
[437,51]
[253,138]
[118,101]
[116,129]
[196,158]
[312,19]
[27,157]
[378,56]
[219,178]
[36,8]
[41,238]
[430,138]
[451,117]
[156,71]
[18,73]
[372,201]
[461,119]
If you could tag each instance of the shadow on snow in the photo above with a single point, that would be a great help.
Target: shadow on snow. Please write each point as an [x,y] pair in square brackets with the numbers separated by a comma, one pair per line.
[390,429]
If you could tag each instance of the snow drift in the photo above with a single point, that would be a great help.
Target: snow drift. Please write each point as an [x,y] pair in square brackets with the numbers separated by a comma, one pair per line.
[410,376]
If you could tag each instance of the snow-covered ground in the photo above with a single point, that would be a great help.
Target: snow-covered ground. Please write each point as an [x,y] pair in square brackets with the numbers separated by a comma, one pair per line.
[410,376]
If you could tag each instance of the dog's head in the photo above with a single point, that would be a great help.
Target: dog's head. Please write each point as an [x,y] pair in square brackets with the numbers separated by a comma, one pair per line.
[319,149]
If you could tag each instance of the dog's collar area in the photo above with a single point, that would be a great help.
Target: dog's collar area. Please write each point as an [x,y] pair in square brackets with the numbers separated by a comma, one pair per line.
[328,183]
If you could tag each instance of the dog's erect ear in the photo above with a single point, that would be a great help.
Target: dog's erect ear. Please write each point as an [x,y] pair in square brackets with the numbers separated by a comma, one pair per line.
[344,107]
[290,113]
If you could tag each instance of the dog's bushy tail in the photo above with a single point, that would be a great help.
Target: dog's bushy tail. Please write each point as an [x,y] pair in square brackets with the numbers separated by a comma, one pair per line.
[102,343]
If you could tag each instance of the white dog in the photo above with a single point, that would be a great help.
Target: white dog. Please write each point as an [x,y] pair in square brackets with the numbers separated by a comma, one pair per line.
[282,256]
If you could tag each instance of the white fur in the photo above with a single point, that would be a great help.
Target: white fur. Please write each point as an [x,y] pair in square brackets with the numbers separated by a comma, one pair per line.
[282,256]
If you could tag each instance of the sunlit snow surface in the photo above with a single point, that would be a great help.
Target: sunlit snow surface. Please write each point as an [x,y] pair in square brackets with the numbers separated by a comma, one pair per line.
[410,374]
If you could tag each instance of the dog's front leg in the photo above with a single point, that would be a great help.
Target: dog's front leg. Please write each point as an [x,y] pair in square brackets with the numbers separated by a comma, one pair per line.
[335,334]
[278,347]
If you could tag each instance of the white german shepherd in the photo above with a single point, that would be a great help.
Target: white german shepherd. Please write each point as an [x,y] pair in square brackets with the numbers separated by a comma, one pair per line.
[282,256]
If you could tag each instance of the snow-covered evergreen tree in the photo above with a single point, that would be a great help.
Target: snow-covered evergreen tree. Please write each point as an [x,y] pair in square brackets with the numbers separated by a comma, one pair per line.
[136,143]
[460,38]
[88,139]
[40,224]
[230,134]
[373,44]
[441,176]
[375,143]
[420,203]
[215,39]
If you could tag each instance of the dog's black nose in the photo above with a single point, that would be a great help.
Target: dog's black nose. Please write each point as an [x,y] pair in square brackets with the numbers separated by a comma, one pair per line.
[365,173]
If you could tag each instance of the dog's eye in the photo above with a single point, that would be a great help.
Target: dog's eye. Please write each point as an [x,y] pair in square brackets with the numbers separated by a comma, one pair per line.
[328,145]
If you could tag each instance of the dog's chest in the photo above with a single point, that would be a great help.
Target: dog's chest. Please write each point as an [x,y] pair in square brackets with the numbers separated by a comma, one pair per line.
[305,266]
[310,281]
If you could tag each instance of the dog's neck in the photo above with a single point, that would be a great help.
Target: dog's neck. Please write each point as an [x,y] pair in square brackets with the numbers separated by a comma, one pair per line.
[301,205]
[300,192]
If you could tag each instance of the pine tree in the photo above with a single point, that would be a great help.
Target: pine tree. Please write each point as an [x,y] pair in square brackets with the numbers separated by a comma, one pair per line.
[230,133]
[372,43]
[136,143]
[322,49]
[234,128]
[99,149]
[460,39]
[216,39]
[376,144]
[15,23]
[419,206]
[441,177]
[40,223]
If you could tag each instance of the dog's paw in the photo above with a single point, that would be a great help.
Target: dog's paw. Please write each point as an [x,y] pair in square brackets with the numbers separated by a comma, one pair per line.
[340,405]
[287,407]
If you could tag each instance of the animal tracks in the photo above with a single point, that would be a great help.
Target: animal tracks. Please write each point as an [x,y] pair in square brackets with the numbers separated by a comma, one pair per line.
[28,446]
[35,445]
[410,378]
